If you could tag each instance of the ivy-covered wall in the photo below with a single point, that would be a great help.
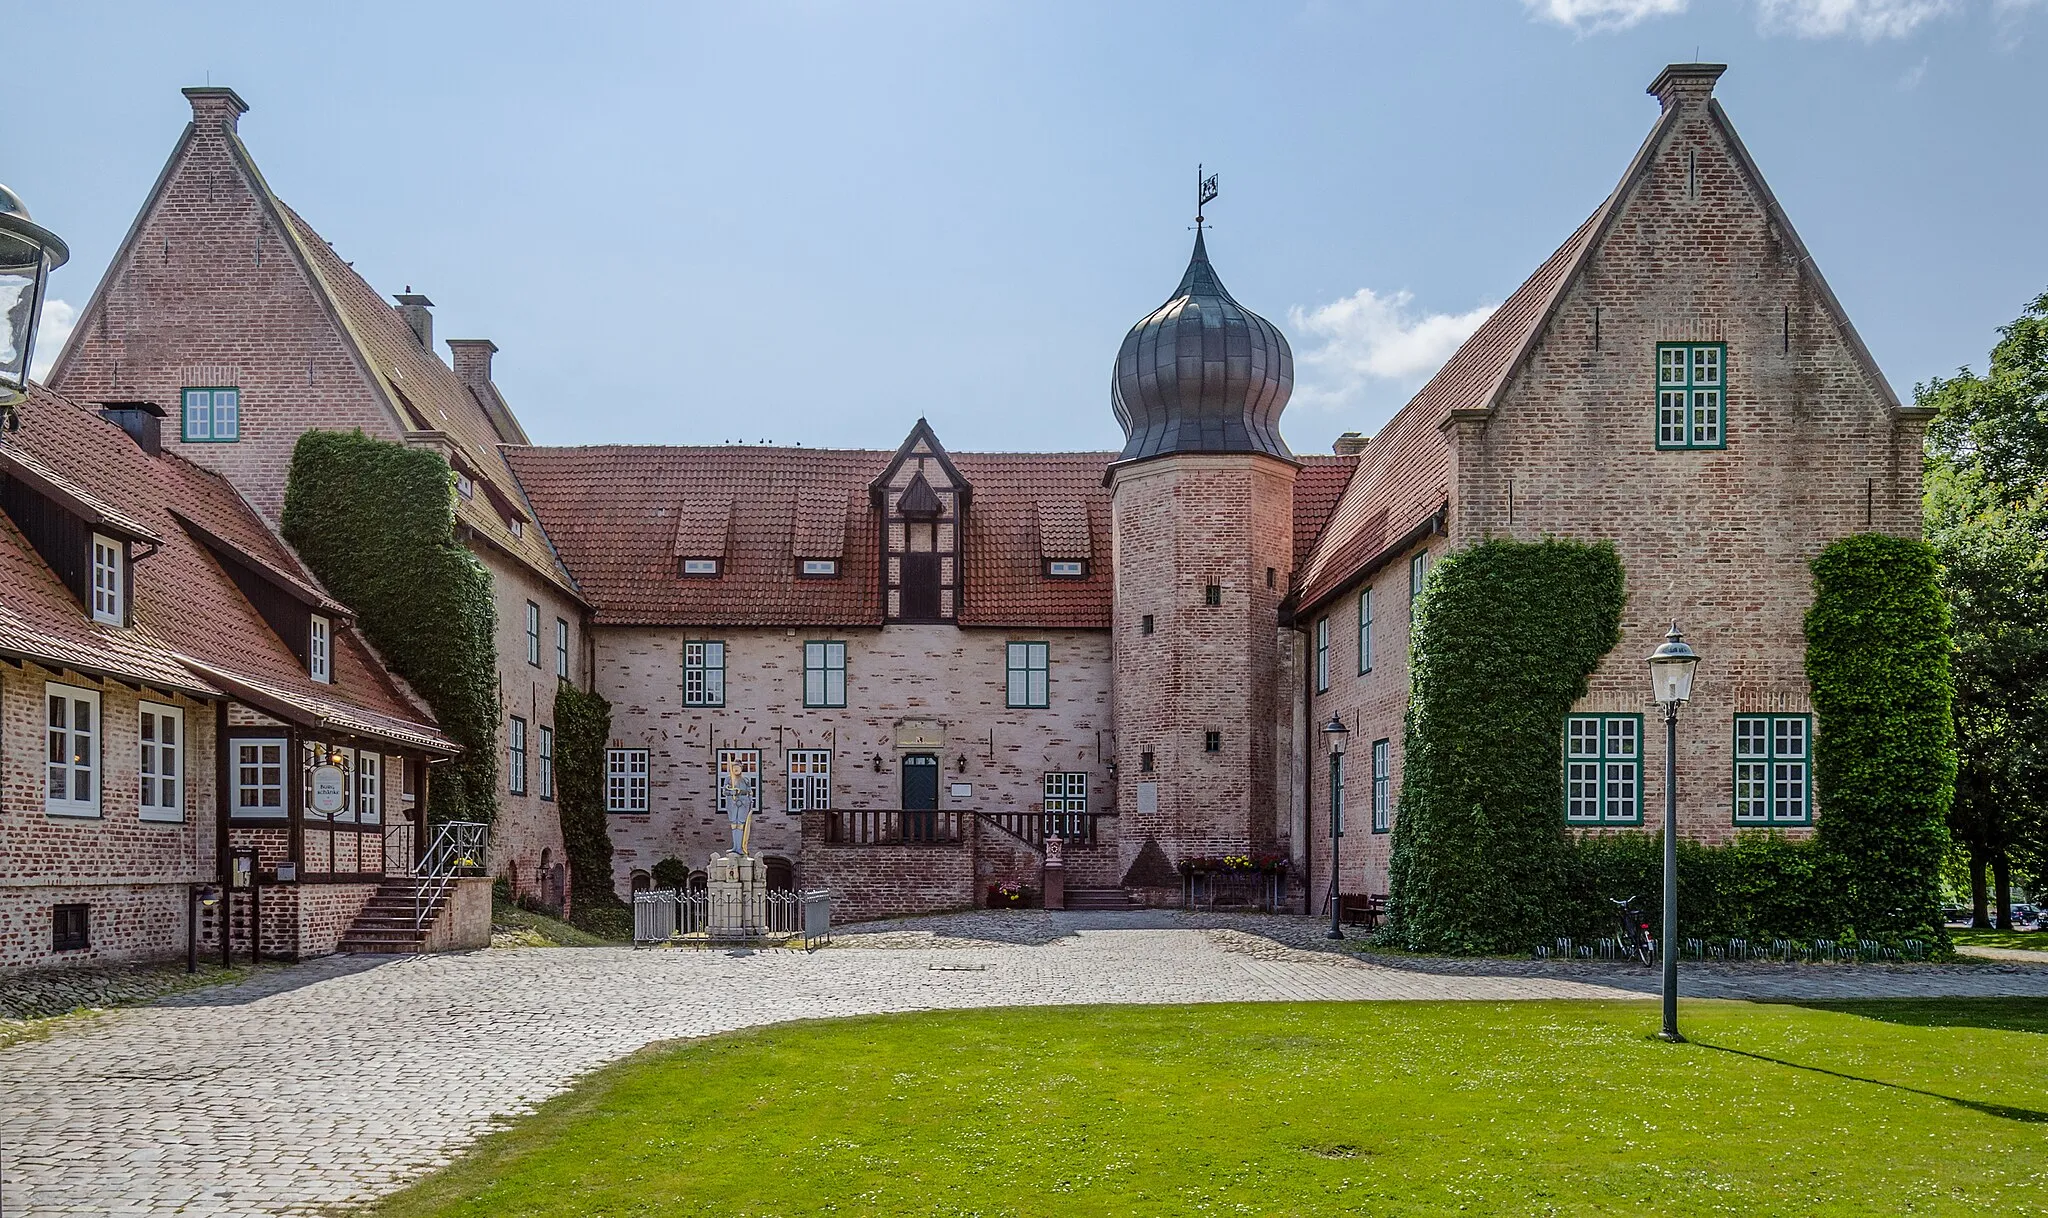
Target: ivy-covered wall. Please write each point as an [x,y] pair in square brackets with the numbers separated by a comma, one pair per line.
[1505,638]
[583,727]
[376,522]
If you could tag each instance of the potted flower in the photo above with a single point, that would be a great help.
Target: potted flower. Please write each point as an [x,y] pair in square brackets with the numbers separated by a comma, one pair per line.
[1003,896]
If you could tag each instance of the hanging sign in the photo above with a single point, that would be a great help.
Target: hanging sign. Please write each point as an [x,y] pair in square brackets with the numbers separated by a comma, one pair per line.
[330,789]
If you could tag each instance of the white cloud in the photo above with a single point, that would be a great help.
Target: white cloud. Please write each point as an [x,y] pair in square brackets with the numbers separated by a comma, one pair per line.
[1910,79]
[1594,16]
[1869,20]
[1373,351]
[51,333]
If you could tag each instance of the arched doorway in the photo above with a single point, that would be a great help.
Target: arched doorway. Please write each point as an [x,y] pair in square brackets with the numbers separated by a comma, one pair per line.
[781,876]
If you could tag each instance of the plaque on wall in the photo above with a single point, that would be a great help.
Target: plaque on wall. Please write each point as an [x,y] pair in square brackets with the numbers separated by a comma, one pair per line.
[963,790]
[920,734]
[1148,797]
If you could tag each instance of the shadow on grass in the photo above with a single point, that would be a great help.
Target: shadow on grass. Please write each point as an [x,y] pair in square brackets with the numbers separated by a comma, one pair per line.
[2008,1112]
[1991,1014]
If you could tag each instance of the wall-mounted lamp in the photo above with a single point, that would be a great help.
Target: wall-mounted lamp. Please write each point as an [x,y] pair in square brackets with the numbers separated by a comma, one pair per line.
[962,767]
[878,763]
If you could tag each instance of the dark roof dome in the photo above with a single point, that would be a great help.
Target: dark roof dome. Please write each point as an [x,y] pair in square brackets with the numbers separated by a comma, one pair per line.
[1202,374]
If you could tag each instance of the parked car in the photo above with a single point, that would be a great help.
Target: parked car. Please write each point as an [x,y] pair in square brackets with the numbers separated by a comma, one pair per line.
[1955,915]
[2026,917]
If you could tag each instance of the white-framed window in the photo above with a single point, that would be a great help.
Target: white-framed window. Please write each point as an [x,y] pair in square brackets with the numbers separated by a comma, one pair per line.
[518,527]
[700,566]
[1322,655]
[547,762]
[703,674]
[738,773]
[515,756]
[562,648]
[1028,676]
[1773,769]
[1066,568]
[824,673]
[810,780]
[1691,395]
[1365,631]
[533,634]
[109,590]
[1066,804]
[465,485]
[320,649]
[212,416]
[1382,785]
[72,774]
[821,568]
[1603,769]
[370,788]
[160,740]
[259,779]
[625,780]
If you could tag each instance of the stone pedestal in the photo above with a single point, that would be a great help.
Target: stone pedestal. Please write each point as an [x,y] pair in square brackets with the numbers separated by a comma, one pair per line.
[736,889]
[1053,876]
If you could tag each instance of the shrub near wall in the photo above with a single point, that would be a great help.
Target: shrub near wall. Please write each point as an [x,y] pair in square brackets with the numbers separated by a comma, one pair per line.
[376,522]
[583,727]
[1505,638]
[1884,762]
[1760,887]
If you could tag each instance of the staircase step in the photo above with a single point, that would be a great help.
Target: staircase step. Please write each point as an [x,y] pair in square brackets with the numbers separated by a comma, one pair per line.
[1100,899]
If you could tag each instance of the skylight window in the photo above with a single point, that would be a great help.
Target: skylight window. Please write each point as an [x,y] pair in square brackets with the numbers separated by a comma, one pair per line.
[821,568]
[700,566]
[1065,568]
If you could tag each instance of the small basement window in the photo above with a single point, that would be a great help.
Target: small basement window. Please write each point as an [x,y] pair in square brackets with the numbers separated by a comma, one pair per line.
[1066,569]
[700,566]
[821,568]
[70,928]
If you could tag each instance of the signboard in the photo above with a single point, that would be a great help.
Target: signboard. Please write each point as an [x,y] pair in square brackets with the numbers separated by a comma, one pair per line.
[330,789]
[242,869]
[963,790]
[921,735]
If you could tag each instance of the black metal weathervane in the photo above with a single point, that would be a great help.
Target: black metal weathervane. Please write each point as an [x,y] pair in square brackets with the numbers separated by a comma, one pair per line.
[1205,192]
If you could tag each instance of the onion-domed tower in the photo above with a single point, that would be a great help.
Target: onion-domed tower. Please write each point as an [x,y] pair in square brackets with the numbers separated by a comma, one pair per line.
[1203,502]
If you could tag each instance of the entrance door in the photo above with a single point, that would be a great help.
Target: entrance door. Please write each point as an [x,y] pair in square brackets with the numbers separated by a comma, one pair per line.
[920,796]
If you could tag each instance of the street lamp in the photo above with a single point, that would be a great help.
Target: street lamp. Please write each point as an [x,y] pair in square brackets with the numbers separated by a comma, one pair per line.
[28,253]
[1671,668]
[1339,737]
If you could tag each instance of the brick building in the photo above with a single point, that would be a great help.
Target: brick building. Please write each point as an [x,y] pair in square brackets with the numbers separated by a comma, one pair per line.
[923,667]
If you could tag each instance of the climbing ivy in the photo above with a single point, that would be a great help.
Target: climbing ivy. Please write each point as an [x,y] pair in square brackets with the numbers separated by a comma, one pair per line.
[583,728]
[376,522]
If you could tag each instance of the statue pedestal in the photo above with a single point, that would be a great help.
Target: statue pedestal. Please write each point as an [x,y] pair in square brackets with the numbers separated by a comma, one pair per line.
[736,889]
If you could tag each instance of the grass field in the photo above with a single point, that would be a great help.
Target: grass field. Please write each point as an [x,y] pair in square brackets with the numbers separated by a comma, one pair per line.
[2026,940]
[1365,1108]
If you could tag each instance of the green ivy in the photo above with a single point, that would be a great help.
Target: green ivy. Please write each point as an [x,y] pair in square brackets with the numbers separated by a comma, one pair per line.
[583,728]
[1760,887]
[1877,658]
[1505,639]
[376,522]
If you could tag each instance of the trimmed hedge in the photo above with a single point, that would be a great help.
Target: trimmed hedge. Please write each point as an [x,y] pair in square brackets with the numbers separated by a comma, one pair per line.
[376,522]
[583,729]
[1505,638]
[1884,759]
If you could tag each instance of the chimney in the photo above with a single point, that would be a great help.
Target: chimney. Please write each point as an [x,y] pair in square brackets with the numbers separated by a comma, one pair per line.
[216,106]
[1686,84]
[141,420]
[417,313]
[471,359]
[1350,444]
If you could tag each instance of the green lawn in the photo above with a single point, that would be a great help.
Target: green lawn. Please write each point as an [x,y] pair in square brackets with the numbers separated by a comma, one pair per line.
[2026,940]
[1364,1108]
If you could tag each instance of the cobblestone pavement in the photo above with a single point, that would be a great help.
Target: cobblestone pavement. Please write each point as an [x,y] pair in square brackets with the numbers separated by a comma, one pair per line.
[343,1078]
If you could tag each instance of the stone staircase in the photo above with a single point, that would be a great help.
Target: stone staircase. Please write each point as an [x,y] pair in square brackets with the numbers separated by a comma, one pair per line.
[387,921]
[1097,899]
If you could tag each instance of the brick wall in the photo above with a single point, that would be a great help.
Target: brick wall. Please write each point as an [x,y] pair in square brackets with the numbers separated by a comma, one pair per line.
[528,826]
[889,881]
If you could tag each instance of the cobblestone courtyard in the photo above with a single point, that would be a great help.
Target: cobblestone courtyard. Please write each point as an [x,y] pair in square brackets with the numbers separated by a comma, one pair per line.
[343,1078]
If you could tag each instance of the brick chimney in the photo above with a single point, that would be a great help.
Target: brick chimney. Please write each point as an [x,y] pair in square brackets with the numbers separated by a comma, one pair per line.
[216,106]
[418,313]
[1350,444]
[471,359]
[1688,84]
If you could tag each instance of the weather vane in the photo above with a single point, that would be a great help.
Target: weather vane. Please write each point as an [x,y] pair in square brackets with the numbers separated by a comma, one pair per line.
[1205,191]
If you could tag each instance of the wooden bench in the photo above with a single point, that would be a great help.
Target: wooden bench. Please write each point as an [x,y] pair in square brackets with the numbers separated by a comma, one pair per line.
[1362,909]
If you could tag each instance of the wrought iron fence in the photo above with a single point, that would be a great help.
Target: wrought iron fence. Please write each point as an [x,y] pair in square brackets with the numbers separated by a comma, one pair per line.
[893,827]
[668,915]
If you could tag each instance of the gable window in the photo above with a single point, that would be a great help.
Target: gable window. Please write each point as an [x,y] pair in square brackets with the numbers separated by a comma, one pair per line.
[515,756]
[1691,395]
[370,788]
[465,485]
[518,528]
[320,650]
[1773,770]
[820,568]
[1382,786]
[1365,631]
[1066,805]
[824,674]
[533,634]
[547,763]
[70,928]
[160,735]
[738,774]
[1602,769]
[625,780]
[1418,578]
[108,588]
[562,648]
[703,674]
[1062,568]
[72,787]
[810,780]
[259,778]
[1029,675]
[700,566]
[212,416]
[1322,655]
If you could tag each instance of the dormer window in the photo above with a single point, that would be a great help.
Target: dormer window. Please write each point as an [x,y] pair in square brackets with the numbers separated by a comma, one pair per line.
[465,486]
[320,650]
[518,528]
[700,566]
[109,589]
[1063,568]
[820,568]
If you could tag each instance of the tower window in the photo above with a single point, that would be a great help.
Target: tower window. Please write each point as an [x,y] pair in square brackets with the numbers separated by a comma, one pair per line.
[1212,742]
[1270,576]
[1145,762]
[1212,594]
[1145,624]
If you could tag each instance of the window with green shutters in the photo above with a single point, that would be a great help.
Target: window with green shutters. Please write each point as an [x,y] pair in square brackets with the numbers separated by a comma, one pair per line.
[1773,769]
[1029,675]
[1603,770]
[824,673]
[1692,389]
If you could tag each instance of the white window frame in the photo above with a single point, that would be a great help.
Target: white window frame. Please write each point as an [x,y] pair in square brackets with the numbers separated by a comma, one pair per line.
[562,647]
[533,633]
[700,566]
[160,762]
[370,788]
[750,776]
[251,774]
[1364,631]
[1603,769]
[465,485]
[1382,785]
[625,781]
[810,780]
[1065,794]
[71,753]
[821,568]
[1027,675]
[1323,655]
[545,764]
[704,673]
[1066,568]
[210,416]
[1773,770]
[824,673]
[320,649]
[109,588]
[515,755]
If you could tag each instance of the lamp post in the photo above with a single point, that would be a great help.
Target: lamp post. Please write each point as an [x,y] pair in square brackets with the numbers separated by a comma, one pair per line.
[1671,668]
[28,253]
[1339,737]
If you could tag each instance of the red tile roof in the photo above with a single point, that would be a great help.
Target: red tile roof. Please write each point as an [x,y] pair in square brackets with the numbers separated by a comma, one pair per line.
[1318,488]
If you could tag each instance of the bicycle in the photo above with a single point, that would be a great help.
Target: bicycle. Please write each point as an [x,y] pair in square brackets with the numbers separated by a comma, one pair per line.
[1634,938]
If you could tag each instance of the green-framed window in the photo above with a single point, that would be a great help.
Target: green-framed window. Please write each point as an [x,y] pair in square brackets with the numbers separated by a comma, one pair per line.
[704,674]
[1692,395]
[1773,769]
[1365,631]
[824,673]
[1382,785]
[1603,770]
[1323,655]
[1029,676]
[1418,579]
[211,415]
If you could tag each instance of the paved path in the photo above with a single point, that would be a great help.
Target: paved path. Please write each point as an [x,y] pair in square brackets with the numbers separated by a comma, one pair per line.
[344,1078]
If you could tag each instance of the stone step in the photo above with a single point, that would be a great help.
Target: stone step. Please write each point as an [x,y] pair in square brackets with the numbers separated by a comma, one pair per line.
[1100,899]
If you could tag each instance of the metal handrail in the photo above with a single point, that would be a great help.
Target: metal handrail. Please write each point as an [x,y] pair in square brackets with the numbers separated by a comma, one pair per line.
[460,847]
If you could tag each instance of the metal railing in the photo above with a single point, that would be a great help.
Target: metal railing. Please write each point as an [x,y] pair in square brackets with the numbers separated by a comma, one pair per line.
[1078,829]
[459,848]
[666,916]
[893,827]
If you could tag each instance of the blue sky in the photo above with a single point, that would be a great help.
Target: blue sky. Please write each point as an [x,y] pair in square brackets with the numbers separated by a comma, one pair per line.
[815,222]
